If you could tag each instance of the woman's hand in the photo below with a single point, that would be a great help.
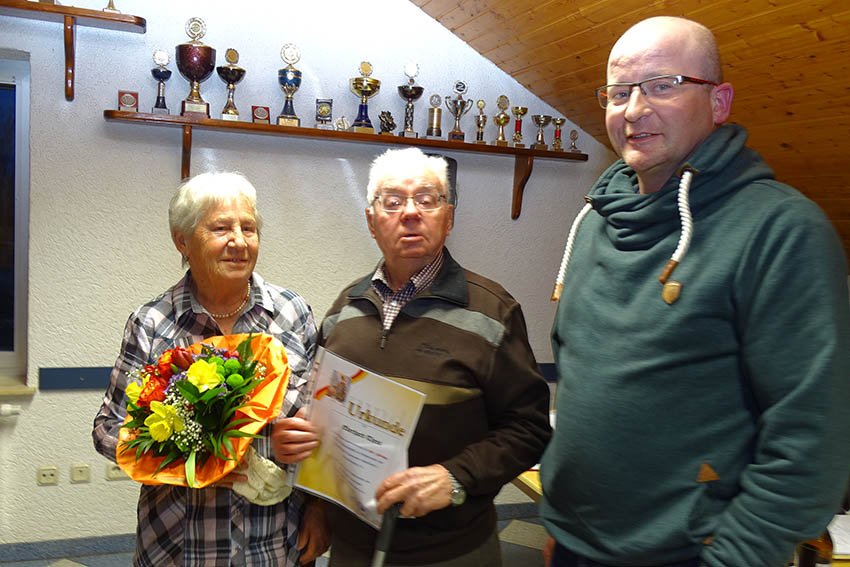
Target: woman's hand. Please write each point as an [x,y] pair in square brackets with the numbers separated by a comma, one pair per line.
[293,438]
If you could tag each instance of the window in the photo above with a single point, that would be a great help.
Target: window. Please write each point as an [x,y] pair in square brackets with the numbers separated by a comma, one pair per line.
[14,210]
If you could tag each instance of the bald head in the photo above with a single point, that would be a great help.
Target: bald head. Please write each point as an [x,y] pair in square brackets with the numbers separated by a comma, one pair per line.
[665,32]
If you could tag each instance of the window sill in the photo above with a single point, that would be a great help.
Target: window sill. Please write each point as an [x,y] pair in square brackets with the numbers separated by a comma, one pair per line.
[14,386]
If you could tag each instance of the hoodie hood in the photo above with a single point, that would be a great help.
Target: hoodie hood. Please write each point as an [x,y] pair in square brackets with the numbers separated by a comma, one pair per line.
[635,221]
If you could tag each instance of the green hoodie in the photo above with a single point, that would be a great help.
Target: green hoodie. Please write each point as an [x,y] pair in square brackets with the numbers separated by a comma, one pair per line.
[716,426]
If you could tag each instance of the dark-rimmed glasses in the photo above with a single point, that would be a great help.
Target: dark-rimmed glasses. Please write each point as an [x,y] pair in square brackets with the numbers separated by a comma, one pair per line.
[662,87]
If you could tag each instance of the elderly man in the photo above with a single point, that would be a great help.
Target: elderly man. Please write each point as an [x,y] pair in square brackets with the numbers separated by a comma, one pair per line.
[702,420]
[461,339]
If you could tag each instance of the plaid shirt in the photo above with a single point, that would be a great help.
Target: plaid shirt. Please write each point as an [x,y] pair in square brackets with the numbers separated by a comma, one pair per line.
[395,300]
[178,526]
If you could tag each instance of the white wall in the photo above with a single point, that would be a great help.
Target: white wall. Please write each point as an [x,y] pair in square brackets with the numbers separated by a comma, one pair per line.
[99,243]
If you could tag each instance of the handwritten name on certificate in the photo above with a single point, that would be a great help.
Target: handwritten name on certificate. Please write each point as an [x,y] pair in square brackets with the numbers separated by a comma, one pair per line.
[366,422]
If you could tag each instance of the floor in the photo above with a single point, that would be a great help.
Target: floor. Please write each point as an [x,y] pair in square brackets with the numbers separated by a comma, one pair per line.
[521,534]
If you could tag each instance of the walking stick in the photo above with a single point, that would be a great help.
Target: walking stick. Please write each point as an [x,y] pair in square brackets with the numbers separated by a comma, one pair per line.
[385,536]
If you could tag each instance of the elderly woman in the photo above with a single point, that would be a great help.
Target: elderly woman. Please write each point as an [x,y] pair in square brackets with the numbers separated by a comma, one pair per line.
[216,228]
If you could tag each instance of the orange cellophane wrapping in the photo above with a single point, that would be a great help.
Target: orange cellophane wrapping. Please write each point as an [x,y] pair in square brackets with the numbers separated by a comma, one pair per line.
[264,405]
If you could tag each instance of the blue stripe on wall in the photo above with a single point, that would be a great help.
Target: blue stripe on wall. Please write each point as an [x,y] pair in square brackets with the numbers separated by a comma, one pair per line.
[97,377]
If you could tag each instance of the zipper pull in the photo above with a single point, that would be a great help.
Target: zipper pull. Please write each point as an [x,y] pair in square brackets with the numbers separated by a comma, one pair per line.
[384,337]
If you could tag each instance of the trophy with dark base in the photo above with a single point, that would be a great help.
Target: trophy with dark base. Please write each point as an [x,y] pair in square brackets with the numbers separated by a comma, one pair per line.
[518,112]
[573,138]
[161,74]
[435,117]
[387,122]
[289,79]
[410,93]
[365,87]
[457,108]
[501,120]
[556,143]
[541,121]
[230,74]
[480,122]
[196,62]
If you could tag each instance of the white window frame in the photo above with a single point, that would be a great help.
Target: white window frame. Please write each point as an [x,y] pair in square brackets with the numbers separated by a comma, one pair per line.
[15,69]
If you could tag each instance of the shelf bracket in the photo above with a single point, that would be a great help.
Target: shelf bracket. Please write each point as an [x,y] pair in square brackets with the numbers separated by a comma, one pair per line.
[522,171]
[70,54]
[186,161]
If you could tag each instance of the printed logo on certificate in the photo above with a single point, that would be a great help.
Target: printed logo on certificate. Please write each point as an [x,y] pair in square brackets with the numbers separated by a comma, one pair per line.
[366,422]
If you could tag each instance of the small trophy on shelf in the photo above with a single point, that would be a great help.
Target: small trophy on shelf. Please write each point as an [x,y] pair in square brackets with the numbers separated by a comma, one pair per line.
[480,122]
[161,74]
[556,142]
[573,138]
[230,74]
[289,79]
[518,112]
[324,113]
[457,108]
[387,122]
[501,120]
[435,117]
[110,7]
[410,93]
[365,87]
[196,62]
[541,121]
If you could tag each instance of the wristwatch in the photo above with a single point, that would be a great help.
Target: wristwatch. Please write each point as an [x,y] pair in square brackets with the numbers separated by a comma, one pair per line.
[458,495]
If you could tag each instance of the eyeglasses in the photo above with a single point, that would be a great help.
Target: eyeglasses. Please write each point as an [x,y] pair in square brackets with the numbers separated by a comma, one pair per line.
[663,87]
[423,201]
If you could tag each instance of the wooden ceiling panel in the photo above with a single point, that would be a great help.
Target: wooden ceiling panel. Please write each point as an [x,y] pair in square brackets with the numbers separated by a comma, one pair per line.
[788,60]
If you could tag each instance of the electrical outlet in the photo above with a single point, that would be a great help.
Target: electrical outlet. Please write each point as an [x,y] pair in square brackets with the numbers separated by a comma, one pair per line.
[47,474]
[80,472]
[114,472]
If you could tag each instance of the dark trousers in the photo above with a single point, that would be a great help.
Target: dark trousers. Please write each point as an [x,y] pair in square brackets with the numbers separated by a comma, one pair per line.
[563,557]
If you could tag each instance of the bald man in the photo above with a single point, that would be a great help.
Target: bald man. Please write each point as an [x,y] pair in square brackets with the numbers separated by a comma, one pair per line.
[703,343]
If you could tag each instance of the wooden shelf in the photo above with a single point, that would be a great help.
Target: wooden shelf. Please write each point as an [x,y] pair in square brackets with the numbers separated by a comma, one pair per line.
[523,157]
[70,17]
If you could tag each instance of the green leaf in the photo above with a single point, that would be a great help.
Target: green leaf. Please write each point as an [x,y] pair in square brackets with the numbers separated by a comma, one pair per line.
[189,391]
[211,393]
[190,470]
[170,458]
[229,446]
[237,422]
[237,433]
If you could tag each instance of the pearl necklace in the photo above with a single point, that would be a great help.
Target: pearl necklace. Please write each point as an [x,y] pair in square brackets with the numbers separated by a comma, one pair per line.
[237,310]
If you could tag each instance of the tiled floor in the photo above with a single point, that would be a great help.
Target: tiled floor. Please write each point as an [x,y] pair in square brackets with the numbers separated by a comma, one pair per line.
[520,532]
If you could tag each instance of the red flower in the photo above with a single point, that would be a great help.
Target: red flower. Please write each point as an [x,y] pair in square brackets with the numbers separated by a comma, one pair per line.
[154,390]
[163,365]
[182,358]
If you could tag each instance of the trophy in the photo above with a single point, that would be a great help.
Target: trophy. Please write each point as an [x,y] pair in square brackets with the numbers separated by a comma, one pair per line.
[290,79]
[324,113]
[410,93]
[573,138]
[196,62]
[387,122]
[541,121]
[457,108]
[501,120]
[480,121]
[364,87]
[342,124]
[110,7]
[435,114]
[161,74]
[556,143]
[260,114]
[230,74]
[518,112]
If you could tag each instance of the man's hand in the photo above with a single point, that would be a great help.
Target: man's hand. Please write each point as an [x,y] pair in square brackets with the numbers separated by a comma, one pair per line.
[293,438]
[314,538]
[548,550]
[421,489]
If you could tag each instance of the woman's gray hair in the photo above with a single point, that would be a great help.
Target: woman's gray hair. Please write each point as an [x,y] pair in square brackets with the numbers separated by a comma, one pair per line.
[403,164]
[195,196]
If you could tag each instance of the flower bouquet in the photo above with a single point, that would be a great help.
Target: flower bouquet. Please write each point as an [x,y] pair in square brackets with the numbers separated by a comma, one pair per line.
[191,415]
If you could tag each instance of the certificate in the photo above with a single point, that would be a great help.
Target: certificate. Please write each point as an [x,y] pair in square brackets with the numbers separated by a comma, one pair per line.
[366,422]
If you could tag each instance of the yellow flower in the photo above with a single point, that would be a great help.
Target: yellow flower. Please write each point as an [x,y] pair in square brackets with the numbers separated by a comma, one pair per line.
[163,421]
[132,391]
[203,375]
